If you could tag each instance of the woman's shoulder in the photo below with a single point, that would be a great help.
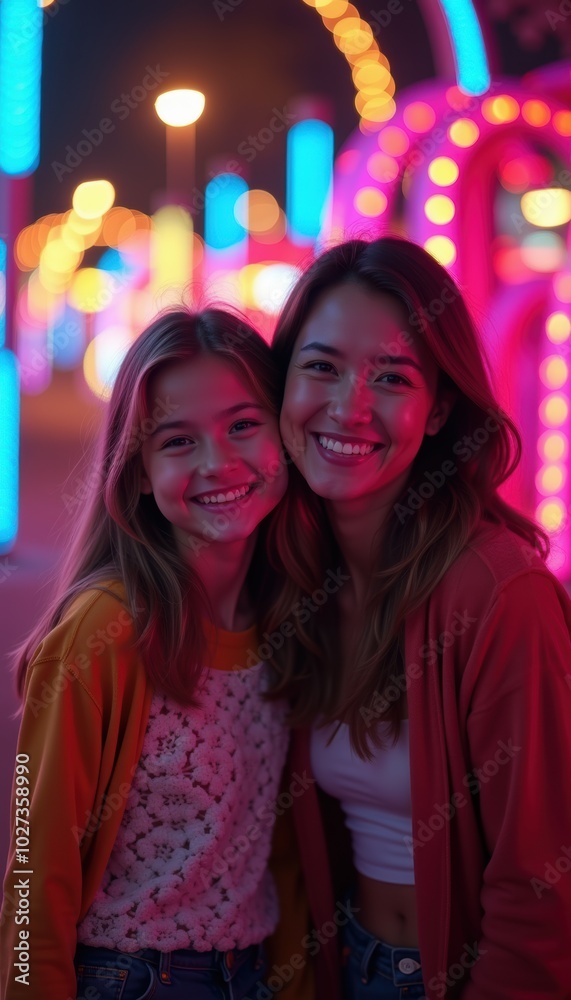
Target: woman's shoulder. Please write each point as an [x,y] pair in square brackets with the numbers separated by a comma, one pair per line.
[501,553]
[496,560]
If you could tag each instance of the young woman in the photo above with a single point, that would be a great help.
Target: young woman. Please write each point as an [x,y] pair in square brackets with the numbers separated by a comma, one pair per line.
[148,759]
[433,680]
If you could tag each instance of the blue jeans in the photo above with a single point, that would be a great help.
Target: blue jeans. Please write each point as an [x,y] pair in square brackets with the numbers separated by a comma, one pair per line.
[376,971]
[103,974]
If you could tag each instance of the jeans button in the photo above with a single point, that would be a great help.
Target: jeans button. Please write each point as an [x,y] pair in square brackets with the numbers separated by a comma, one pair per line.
[408,965]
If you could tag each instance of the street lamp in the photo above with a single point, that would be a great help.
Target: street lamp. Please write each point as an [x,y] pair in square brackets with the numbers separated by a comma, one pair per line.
[179,110]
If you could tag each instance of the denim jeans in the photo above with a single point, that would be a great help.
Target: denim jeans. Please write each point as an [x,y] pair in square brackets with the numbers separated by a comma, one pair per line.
[374,970]
[103,974]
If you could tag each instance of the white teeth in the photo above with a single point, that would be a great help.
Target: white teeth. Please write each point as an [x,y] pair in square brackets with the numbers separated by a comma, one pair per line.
[225,497]
[344,449]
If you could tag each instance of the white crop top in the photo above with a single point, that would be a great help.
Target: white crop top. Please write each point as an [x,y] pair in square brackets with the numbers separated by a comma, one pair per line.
[375,797]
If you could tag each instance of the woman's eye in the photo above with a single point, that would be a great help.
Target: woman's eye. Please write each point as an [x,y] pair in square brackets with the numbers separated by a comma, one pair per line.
[319,366]
[391,378]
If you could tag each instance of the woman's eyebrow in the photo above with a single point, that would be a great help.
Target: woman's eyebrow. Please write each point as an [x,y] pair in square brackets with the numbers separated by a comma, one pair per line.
[391,359]
[323,348]
[397,359]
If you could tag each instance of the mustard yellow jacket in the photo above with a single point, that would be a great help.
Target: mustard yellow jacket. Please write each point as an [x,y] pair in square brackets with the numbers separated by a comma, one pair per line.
[86,707]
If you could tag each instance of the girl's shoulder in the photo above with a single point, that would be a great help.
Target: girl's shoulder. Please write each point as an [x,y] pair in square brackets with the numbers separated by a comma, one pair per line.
[95,619]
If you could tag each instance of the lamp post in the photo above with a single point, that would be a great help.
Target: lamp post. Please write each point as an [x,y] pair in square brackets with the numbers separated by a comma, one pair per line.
[180,110]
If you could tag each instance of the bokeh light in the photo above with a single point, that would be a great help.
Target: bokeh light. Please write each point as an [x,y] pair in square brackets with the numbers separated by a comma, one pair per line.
[553,446]
[179,108]
[562,122]
[550,479]
[463,132]
[443,171]
[442,248]
[419,116]
[558,327]
[554,409]
[92,199]
[257,210]
[546,207]
[551,514]
[369,201]
[393,140]
[439,209]
[553,371]
[535,113]
[562,287]
[500,110]
[382,167]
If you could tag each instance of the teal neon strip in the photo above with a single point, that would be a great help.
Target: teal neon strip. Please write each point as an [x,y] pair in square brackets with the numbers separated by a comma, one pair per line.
[9,449]
[472,69]
[21,30]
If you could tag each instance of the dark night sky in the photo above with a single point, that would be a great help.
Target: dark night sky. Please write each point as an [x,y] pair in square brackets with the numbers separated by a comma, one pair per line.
[248,60]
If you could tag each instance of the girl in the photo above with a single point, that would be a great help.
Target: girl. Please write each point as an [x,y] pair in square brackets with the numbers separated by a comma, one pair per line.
[148,759]
[436,678]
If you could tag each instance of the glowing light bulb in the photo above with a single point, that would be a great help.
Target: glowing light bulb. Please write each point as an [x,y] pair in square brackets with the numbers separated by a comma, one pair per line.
[419,116]
[180,107]
[369,201]
[393,140]
[554,410]
[500,110]
[93,198]
[535,113]
[558,327]
[439,209]
[552,446]
[443,171]
[546,207]
[382,167]
[553,371]
[551,514]
[463,132]
[442,248]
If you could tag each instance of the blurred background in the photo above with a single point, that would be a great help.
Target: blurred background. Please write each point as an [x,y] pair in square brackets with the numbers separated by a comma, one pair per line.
[294,124]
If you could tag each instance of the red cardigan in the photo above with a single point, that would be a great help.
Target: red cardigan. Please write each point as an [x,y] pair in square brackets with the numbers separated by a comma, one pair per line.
[488,667]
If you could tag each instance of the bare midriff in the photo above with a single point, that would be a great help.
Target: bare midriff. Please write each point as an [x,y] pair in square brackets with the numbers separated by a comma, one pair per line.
[388,911]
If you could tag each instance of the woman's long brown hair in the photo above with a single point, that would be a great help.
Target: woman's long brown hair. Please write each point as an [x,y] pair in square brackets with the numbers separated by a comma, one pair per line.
[419,544]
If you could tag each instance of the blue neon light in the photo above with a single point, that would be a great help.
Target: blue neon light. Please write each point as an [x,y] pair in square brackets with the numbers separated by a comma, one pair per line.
[113,260]
[472,70]
[21,29]
[309,178]
[3,261]
[68,339]
[221,228]
[9,449]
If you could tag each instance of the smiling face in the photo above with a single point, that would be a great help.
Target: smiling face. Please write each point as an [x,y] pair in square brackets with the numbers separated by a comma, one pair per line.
[214,466]
[360,396]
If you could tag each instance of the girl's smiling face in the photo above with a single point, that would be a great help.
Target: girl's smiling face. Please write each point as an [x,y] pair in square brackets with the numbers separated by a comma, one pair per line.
[361,393]
[215,465]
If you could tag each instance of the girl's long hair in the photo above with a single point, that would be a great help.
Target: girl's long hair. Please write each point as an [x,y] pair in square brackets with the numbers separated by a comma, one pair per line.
[123,536]
[429,526]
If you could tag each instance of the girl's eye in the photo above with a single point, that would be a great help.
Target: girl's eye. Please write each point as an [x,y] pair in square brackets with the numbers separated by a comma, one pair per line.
[319,366]
[245,425]
[178,442]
